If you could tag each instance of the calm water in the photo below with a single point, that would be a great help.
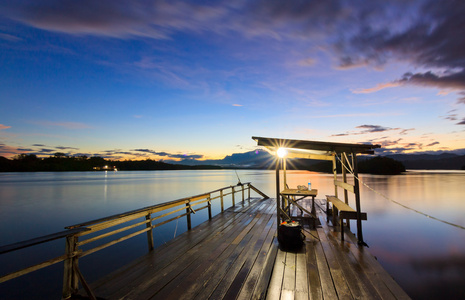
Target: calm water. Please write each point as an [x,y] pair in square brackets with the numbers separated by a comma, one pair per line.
[426,257]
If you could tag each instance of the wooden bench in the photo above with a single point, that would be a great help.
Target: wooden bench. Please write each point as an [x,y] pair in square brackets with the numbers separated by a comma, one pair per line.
[344,211]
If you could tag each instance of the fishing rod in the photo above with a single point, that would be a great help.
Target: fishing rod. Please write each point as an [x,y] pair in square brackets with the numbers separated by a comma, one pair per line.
[239,180]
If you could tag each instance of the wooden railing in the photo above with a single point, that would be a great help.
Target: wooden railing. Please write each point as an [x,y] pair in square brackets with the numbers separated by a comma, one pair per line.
[109,227]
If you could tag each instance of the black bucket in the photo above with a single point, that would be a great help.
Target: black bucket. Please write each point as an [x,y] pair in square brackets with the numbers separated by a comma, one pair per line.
[290,236]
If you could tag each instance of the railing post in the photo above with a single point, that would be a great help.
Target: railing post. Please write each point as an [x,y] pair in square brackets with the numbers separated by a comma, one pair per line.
[221,197]
[248,189]
[233,197]
[70,277]
[242,194]
[149,232]
[188,216]
[209,209]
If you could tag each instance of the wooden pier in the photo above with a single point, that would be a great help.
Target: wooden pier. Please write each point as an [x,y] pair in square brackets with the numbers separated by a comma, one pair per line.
[235,255]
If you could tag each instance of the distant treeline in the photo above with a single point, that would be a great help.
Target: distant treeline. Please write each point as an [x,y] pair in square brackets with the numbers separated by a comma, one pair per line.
[62,162]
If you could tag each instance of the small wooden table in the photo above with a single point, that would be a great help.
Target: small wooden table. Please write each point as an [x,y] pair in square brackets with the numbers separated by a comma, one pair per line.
[288,194]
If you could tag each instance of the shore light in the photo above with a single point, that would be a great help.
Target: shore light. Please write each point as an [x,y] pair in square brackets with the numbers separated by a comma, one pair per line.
[281,152]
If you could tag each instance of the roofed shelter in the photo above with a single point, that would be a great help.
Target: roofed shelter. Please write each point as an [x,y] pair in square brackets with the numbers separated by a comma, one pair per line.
[317,150]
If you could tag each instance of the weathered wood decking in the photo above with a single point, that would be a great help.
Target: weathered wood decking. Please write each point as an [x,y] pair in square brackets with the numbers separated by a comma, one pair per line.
[235,256]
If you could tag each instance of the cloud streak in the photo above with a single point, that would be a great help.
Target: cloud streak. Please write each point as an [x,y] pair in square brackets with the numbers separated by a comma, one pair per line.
[377,88]
[367,129]
[170,155]
[115,18]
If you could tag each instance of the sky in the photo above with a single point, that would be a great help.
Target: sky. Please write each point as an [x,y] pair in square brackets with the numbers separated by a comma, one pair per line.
[197,79]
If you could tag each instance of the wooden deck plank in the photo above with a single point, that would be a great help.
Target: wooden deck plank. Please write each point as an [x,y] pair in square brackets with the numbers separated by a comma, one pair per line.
[288,287]
[352,276]
[274,289]
[251,257]
[380,279]
[265,274]
[174,273]
[235,256]
[335,269]
[362,264]
[249,254]
[199,278]
[134,279]
[252,280]
[368,277]
[214,277]
[313,275]
[301,279]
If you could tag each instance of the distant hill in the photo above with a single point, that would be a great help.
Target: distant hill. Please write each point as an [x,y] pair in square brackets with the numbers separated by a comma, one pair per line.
[261,159]
[445,161]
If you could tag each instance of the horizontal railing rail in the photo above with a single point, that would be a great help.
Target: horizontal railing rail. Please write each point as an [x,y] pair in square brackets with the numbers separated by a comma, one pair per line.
[111,227]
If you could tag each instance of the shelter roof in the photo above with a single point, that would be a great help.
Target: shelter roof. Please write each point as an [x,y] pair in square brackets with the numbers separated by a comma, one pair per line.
[316,147]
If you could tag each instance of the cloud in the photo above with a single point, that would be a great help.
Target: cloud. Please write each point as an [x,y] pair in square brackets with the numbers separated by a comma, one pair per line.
[9,37]
[144,150]
[6,150]
[170,155]
[115,18]
[395,147]
[462,98]
[431,38]
[461,122]
[374,128]
[396,150]
[377,88]
[451,117]
[66,148]
[25,149]
[426,34]
[405,131]
[4,127]
[237,105]
[117,152]
[367,129]
[455,80]
[389,143]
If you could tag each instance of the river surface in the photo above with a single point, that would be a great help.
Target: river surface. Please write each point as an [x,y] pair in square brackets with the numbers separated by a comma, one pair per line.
[425,256]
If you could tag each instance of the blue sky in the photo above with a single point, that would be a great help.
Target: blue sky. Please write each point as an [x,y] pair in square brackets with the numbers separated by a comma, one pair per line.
[160,79]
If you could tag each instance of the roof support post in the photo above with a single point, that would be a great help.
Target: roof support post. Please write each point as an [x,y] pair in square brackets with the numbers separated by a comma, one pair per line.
[357,201]
[344,162]
[335,174]
[278,194]
[284,172]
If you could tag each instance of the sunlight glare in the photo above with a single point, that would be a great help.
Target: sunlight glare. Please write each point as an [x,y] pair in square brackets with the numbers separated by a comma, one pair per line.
[281,152]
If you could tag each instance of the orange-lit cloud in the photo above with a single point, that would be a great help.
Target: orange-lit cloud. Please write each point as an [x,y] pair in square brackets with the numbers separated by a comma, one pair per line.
[9,151]
[4,127]
[377,88]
